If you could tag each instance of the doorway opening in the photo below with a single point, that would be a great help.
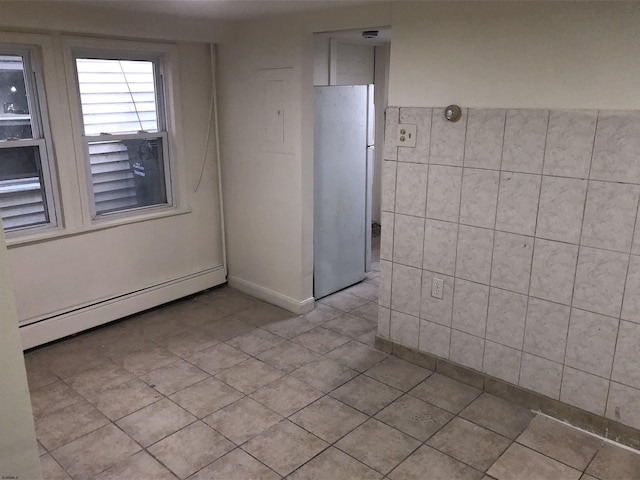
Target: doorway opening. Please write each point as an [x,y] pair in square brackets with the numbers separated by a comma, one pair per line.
[350,88]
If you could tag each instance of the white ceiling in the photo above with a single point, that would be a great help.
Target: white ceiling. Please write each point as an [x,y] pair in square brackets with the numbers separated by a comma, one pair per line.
[223,9]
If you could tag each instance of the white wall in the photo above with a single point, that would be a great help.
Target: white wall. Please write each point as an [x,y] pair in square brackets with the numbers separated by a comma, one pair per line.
[269,197]
[516,54]
[171,256]
[18,448]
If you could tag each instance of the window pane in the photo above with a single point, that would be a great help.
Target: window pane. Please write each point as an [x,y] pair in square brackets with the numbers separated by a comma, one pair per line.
[117,96]
[127,174]
[22,200]
[15,120]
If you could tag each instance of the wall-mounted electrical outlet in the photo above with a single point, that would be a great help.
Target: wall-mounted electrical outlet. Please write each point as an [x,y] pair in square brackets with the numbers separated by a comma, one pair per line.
[407,135]
[437,287]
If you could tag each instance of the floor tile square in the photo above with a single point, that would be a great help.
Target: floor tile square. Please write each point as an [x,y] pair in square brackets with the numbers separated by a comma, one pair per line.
[139,363]
[236,465]
[174,377]
[256,341]
[95,452]
[321,313]
[334,464]
[67,424]
[227,328]
[368,311]
[51,470]
[291,327]
[350,325]
[158,324]
[288,356]
[286,395]
[356,355]
[124,344]
[284,447]
[138,466]
[155,422]
[366,394]
[378,445]
[321,340]
[38,375]
[519,462]
[469,443]
[344,301]
[217,358]
[364,290]
[91,382]
[66,359]
[414,417]
[324,374]
[561,442]
[187,343]
[206,397]
[368,338]
[126,398]
[263,314]
[242,420]
[53,397]
[328,419]
[398,373]
[498,415]
[445,393]
[191,449]
[615,463]
[439,466]
[374,280]
[249,375]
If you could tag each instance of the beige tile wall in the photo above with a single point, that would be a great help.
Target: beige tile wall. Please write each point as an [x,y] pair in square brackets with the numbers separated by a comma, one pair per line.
[529,218]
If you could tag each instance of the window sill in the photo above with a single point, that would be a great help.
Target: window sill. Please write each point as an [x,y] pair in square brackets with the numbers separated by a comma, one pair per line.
[43,234]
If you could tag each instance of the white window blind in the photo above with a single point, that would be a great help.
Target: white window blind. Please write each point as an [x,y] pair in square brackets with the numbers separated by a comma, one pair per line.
[120,105]
[26,188]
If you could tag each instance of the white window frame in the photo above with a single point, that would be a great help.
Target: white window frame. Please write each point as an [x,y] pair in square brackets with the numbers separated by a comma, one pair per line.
[175,173]
[160,134]
[34,82]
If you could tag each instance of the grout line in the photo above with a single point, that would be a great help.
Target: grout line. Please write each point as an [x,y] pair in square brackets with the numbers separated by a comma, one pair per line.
[424,228]
[575,273]
[493,245]
[620,320]
[533,247]
[457,223]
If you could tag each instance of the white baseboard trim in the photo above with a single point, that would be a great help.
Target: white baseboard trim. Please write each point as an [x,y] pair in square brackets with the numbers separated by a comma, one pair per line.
[272,297]
[89,316]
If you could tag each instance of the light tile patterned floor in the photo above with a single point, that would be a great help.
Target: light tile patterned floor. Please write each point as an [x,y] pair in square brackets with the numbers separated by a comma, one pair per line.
[222,386]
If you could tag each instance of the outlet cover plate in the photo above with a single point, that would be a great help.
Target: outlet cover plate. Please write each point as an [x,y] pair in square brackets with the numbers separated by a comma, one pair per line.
[407,135]
[437,286]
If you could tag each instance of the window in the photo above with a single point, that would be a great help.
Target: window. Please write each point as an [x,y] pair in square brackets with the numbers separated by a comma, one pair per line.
[124,132]
[26,193]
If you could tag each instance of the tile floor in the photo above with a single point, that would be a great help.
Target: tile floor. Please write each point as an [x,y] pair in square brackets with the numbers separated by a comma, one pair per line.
[223,386]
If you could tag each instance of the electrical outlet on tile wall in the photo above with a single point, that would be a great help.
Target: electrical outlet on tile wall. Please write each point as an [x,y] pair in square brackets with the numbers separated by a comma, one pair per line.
[437,285]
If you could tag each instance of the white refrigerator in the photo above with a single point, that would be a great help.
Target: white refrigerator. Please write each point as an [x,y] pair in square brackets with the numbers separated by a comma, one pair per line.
[343,177]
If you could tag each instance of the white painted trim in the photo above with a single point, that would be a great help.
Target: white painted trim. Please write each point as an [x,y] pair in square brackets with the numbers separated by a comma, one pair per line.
[272,297]
[108,310]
